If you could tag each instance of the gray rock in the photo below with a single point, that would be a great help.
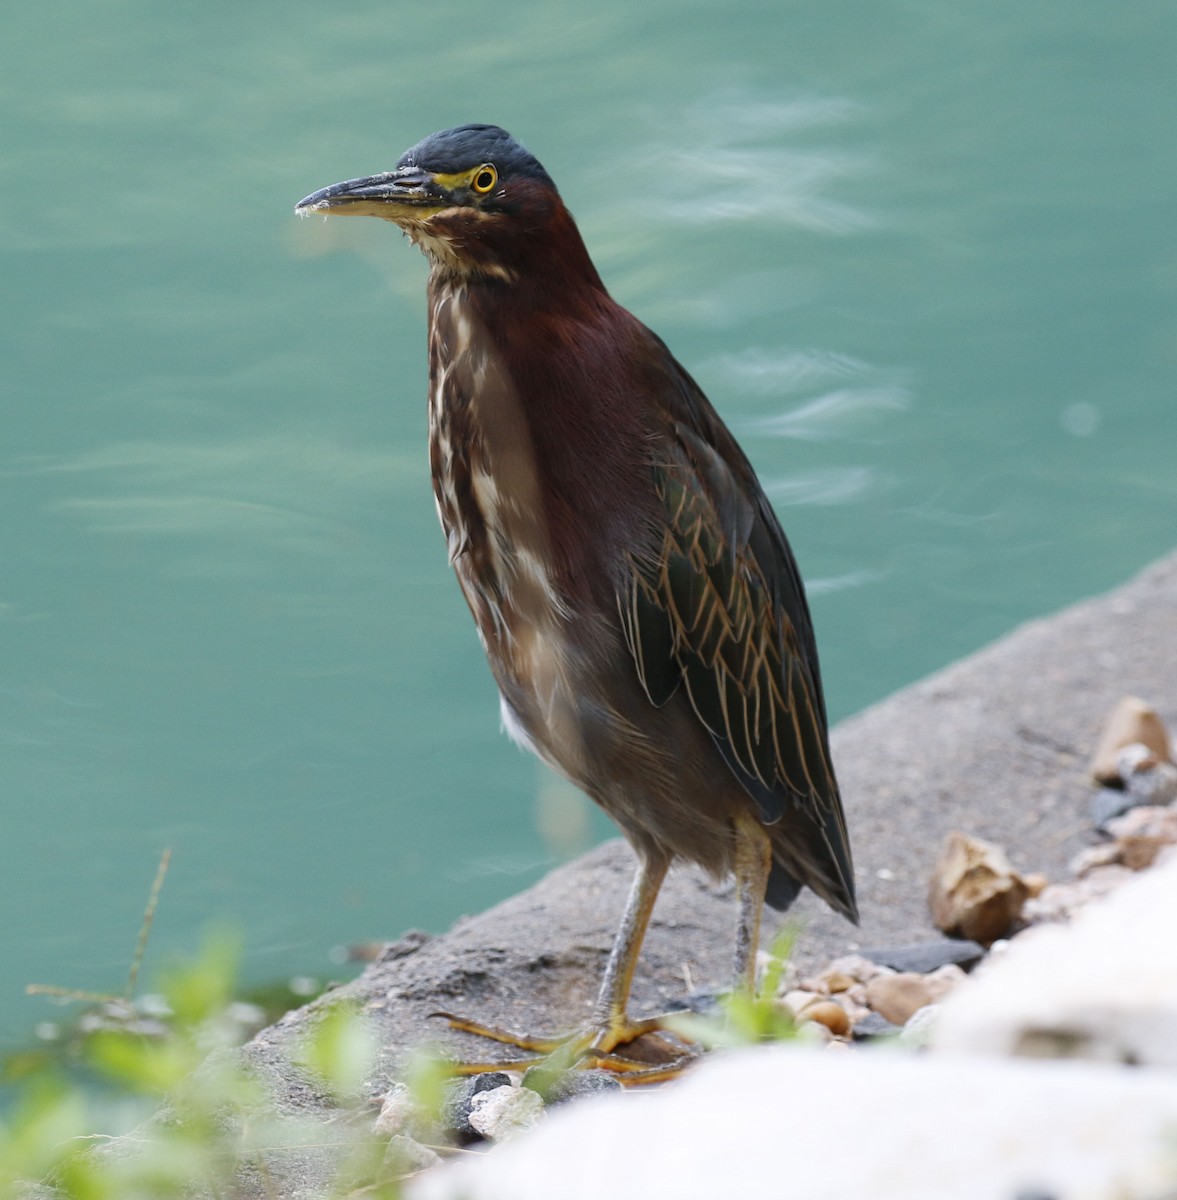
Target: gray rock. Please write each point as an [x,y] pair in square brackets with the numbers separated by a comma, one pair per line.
[924,957]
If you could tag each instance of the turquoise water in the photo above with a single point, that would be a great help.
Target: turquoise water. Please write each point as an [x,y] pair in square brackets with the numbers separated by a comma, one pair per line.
[923,258]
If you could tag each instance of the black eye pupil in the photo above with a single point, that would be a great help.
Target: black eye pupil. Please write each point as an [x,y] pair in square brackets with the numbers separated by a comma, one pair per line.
[485,181]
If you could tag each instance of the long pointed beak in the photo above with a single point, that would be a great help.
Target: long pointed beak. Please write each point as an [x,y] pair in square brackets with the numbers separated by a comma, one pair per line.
[392,195]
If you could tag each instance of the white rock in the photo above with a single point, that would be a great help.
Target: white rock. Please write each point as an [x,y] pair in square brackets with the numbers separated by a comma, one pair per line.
[1102,987]
[783,1121]
[503,1112]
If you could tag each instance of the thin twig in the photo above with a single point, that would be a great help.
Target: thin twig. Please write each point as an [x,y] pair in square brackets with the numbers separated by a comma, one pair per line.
[148,918]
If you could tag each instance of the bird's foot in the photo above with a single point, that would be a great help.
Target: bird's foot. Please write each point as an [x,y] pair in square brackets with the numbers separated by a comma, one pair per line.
[650,1056]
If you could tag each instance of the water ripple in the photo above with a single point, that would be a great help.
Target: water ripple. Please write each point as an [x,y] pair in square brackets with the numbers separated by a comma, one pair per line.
[293,489]
[850,393]
[757,369]
[835,485]
[734,162]
[828,415]
[840,583]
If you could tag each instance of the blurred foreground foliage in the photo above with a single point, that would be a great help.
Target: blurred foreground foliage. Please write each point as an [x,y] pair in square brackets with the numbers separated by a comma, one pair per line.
[159,1075]
[143,1097]
[748,1018]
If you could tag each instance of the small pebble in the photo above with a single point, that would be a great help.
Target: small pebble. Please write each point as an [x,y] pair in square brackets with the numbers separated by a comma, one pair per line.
[1140,852]
[896,997]
[830,1014]
[859,967]
[796,1002]
[834,982]
[854,1010]
[974,891]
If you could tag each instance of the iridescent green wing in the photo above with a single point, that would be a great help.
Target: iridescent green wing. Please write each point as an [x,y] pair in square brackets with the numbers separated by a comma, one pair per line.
[719,610]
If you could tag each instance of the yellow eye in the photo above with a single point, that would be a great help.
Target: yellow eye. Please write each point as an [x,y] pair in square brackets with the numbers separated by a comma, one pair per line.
[484,179]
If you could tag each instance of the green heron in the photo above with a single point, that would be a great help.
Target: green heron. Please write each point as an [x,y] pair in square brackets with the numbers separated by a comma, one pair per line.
[637,599]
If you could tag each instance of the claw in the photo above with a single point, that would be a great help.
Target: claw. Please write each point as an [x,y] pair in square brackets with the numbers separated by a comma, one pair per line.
[590,1048]
[505,1037]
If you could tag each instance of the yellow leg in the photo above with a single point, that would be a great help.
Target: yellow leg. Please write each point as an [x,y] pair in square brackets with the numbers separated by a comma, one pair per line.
[752,866]
[609,1019]
[609,1026]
